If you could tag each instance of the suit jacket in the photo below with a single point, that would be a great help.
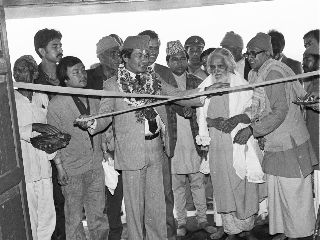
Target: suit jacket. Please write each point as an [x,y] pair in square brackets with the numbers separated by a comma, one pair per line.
[129,135]
[293,64]
[95,78]
[79,156]
[192,82]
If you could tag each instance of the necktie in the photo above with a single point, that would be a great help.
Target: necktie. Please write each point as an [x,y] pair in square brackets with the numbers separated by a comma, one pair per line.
[153,126]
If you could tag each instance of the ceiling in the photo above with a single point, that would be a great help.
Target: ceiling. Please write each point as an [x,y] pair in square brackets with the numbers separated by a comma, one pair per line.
[15,9]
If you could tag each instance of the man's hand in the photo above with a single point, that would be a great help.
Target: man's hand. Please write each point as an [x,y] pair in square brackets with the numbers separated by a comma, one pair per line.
[187,112]
[216,122]
[63,177]
[108,158]
[261,142]
[229,124]
[44,128]
[243,136]
[83,124]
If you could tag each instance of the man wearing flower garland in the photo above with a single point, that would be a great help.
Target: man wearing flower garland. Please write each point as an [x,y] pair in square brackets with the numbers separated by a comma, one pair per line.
[166,74]
[138,146]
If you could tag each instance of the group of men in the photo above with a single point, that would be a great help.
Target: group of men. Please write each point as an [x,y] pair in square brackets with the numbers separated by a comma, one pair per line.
[154,149]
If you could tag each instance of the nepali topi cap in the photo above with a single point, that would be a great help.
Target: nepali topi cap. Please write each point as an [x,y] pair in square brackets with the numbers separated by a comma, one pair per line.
[137,42]
[173,47]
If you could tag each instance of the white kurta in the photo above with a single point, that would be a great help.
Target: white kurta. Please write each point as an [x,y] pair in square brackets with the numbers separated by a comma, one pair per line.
[37,167]
[186,159]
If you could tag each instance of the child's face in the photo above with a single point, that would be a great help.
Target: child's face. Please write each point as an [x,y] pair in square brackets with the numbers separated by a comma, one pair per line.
[77,76]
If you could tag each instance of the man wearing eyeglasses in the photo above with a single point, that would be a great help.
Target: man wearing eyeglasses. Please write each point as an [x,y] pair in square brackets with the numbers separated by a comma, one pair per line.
[288,154]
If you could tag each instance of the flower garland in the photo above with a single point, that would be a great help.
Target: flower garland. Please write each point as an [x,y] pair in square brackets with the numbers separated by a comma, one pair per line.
[148,83]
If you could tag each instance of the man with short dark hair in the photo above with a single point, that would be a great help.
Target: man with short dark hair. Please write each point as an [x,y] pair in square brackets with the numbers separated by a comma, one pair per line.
[166,74]
[278,44]
[311,38]
[79,164]
[194,46]
[204,57]
[311,63]
[47,44]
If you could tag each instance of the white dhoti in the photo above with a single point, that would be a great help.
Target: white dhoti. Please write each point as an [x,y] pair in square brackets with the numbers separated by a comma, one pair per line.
[291,209]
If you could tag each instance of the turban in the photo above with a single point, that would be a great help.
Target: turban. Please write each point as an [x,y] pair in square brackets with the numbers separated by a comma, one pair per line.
[261,41]
[232,39]
[173,47]
[137,42]
[106,43]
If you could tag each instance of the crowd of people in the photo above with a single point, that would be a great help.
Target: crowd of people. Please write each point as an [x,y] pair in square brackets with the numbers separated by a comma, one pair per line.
[257,147]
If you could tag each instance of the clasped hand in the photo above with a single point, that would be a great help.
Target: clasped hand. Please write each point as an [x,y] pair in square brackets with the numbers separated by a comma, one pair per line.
[82,123]
[225,125]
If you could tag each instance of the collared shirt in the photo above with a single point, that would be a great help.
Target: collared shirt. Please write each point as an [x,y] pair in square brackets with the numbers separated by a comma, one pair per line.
[36,162]
[240,66]
[198,72]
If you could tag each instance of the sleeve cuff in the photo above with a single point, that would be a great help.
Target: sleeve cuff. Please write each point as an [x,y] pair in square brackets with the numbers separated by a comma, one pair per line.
[202,98]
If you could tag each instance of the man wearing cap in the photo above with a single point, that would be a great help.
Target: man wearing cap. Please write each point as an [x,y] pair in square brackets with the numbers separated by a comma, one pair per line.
[234,43]
[278,44]
[185,163]
[288,154]
[194,46]
[108,53]
[138,146]
[166,74]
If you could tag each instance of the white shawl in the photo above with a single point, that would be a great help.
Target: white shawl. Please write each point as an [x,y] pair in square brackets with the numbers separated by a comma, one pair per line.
[245,157]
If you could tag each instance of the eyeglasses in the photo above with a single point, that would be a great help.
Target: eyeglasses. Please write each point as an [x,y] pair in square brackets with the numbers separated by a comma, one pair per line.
[252,54]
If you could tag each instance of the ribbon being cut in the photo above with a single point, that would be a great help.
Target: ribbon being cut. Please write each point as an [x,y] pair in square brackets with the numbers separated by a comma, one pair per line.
[168,99]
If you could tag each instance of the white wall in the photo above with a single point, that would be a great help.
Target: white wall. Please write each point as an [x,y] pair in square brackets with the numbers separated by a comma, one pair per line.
[81,33]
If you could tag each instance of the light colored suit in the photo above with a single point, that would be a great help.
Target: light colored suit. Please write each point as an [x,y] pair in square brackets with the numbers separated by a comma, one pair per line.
[141,163]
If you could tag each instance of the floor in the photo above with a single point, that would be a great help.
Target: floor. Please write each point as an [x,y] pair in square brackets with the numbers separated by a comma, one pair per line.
[260,232]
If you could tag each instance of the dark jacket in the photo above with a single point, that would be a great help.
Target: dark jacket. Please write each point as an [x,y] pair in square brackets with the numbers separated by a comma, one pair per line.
[95,78]
[192,83]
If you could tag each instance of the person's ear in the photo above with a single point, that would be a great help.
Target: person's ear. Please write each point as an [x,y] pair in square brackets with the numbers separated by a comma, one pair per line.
[42,51]
[125,59]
